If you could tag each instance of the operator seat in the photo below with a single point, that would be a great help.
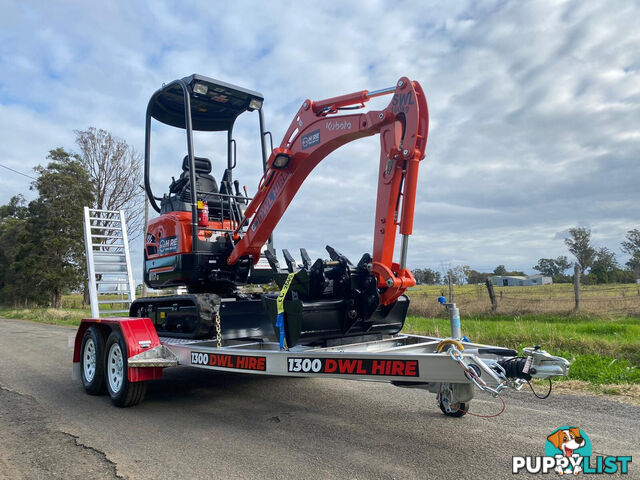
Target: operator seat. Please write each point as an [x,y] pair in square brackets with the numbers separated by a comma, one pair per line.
[179,198]
[205,183]
[221,206]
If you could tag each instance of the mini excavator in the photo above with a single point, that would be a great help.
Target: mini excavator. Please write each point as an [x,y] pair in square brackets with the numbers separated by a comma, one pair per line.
[212,237]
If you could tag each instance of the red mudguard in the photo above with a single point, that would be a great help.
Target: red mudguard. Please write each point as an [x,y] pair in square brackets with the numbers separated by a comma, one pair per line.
[134,330]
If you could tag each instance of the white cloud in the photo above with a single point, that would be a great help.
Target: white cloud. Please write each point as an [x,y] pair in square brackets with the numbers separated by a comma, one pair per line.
[535,107]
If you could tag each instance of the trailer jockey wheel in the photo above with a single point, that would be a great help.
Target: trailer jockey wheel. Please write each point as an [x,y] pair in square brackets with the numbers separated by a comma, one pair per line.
[92,360]
[123,393]
[449,408]
[456,410]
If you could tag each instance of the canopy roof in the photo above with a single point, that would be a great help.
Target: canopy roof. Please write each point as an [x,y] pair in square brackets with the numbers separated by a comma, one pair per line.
[214,104]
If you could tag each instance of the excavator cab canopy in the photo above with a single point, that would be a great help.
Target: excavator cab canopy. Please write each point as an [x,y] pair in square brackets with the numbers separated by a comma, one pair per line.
[201,103]
[214,104]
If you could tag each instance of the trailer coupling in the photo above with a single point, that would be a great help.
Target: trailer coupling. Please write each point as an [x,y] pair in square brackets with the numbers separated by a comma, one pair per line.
[511,372]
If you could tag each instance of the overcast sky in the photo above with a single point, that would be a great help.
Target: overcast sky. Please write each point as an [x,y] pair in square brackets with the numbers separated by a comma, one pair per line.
[535,108]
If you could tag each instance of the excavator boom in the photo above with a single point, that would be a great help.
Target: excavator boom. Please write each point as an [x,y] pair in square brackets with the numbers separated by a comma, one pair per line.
[314,133]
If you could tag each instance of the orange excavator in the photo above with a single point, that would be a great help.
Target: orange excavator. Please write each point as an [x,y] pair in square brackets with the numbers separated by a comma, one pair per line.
[213,239]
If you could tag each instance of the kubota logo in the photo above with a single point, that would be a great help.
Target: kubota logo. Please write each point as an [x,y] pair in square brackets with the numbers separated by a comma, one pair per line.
[568,450]
[337,125]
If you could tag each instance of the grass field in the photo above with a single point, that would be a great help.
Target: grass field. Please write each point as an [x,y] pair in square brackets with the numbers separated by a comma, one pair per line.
[606,301]
[603,351]
[602,340]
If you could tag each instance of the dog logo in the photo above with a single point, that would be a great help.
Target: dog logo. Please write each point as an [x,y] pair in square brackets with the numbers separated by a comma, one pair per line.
[569,443]
[568,451]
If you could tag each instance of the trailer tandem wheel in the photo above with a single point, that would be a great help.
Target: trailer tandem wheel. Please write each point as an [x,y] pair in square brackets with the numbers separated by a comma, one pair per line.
[122,391]
[92,361]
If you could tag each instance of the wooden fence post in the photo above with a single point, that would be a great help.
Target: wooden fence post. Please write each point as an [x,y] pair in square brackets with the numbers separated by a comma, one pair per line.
[492,294]
[576,285]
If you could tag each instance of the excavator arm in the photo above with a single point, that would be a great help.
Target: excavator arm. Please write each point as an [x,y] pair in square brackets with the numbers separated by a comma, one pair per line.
[314,133]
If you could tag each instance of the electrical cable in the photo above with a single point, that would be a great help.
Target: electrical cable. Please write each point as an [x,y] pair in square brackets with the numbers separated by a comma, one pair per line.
[504,405]
[539,396]
[19,173]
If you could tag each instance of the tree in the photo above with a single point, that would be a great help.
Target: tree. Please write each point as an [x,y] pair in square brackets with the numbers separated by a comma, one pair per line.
[12,228]
[458,275]
[579,244]
[500,270]
[634,264]
[605,266]
[426,276]
[553,267]
[632,243]
[115,170]
[474,276]
[51,257]
[632,246]
[15,209]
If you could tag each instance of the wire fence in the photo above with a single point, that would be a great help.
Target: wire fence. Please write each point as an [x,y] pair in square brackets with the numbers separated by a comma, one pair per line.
[602,300]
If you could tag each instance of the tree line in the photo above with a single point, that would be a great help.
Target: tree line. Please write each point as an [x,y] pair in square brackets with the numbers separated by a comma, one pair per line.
[597,265]
[42,242]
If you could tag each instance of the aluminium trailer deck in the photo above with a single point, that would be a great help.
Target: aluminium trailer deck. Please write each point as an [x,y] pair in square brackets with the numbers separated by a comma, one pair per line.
[449,367]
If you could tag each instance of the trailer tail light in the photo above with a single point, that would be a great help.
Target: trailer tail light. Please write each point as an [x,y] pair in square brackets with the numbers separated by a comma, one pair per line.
[203,214]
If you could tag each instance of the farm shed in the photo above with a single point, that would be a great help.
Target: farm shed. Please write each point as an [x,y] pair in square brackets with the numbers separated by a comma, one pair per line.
[518,281]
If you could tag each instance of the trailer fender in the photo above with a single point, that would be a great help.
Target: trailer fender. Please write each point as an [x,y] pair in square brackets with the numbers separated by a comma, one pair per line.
[139,334]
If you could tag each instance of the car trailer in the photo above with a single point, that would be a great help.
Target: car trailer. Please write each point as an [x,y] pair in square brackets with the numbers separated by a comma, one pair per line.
[119,355]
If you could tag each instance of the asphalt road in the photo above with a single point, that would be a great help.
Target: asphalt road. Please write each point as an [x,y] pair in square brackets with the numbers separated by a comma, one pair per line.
[199,424]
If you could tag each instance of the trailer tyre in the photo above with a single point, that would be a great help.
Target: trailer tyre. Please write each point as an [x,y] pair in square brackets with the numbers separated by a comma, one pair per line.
[457,409]
[92,360]
[123,393]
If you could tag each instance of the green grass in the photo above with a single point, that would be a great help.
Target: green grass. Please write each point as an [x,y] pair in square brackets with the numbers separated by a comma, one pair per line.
[47,315]
[601,351]
[71,312]
[602,369]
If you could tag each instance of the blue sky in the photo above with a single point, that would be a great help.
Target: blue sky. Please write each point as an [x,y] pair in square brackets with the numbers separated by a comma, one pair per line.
[535,108]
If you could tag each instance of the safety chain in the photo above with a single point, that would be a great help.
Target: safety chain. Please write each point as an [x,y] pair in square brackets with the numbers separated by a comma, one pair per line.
[218,329]
[456,355]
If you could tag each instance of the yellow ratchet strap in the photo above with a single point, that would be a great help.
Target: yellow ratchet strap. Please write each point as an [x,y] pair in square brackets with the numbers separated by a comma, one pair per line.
[283,292]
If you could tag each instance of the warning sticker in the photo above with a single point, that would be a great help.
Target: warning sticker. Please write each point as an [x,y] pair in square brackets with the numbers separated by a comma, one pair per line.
[354,366]
[241,362]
